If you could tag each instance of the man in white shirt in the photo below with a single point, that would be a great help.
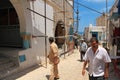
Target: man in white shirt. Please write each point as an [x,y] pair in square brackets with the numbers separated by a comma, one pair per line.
[98,61]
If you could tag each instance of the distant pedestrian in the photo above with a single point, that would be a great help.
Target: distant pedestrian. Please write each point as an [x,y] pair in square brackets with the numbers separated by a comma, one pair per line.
[70,47]
[83,48]
[53,59]
[98,60]
[75,39]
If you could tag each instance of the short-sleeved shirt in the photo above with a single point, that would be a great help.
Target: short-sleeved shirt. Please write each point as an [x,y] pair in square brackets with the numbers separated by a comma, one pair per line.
[97,61]
[53,51]
[83,46]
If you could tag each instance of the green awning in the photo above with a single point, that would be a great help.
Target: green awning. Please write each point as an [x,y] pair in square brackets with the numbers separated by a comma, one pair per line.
[115,15]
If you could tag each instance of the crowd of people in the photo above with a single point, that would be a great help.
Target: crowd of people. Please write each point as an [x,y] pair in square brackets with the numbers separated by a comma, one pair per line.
[94,55]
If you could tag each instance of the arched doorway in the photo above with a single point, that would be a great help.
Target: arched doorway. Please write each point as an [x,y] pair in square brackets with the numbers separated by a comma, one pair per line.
[10,39]
[9,26]
[60,33]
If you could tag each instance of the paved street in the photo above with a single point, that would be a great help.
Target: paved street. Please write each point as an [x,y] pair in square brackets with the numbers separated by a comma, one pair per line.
[69,69]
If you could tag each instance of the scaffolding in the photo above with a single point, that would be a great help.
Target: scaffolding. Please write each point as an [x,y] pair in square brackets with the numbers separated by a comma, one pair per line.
[47,18]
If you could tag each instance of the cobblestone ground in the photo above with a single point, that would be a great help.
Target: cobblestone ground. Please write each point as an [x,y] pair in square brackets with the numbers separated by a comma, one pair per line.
[69,69]
[112,75]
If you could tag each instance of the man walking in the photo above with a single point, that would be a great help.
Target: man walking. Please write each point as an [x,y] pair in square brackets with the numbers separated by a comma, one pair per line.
[98,60]
[83,48]
[53,59]
[75,39]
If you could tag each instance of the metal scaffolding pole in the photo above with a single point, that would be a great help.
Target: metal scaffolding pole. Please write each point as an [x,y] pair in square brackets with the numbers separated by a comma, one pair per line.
[40,14]
[64,24]
[45,34]
[106,22]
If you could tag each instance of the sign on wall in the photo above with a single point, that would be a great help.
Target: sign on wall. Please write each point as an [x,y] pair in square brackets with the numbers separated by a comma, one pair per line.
[22,58]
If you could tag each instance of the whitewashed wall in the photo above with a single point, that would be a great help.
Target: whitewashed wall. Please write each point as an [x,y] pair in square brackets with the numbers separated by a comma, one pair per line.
[71,2]
[38,21]
[35,24]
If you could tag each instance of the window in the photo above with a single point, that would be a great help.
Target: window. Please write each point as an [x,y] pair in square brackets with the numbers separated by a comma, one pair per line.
[3,16]
[8,16]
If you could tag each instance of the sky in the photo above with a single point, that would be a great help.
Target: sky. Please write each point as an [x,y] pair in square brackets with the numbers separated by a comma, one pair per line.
[87,16]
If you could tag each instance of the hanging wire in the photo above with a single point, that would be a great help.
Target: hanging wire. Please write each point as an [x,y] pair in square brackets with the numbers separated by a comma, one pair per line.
[88,7]
[71,6]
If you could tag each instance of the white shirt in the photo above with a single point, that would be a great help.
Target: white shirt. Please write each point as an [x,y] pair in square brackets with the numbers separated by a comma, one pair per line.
[83,46]
[97,61]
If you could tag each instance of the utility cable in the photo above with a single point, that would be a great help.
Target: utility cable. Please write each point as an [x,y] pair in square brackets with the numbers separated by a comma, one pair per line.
[88,7]
[71,6]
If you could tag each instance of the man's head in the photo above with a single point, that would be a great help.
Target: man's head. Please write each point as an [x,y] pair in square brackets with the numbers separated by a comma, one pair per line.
[82,40]
[94,42]
[51,39]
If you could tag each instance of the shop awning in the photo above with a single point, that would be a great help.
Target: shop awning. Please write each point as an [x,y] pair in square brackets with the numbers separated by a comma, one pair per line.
[115,15]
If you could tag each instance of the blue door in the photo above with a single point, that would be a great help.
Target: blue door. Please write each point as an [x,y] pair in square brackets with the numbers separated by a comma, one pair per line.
[95,34]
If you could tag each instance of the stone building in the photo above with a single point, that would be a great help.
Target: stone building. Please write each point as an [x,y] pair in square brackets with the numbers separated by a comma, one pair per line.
[95,31]
[114,29]
[101,20]
[25,26]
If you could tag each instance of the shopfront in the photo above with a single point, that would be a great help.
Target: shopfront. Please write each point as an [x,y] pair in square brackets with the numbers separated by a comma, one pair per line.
[116,39]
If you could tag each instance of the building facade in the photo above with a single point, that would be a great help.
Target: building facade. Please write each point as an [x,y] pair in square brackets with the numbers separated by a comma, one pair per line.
[26,25]
[114,30]
[96,31]
[101,20]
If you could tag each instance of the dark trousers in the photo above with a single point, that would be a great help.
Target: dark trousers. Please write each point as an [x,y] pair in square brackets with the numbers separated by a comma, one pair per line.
[76,46]
[82,53]
[96,78]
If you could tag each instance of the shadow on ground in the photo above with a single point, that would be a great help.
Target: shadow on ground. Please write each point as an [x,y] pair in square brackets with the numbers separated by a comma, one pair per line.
[80,60]
[48,76]
[14,76]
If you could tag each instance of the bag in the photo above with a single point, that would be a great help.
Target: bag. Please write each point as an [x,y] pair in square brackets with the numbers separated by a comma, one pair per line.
[56,60]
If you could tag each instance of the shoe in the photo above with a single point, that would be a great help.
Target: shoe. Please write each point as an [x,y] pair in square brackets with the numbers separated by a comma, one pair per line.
[81,60]
[56,78]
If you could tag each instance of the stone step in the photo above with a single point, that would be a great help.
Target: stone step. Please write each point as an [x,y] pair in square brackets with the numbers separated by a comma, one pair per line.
[8,72]
[6,65]
[3,60]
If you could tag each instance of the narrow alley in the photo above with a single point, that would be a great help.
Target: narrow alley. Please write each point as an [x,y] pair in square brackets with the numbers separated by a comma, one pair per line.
[69,69]
[27,25]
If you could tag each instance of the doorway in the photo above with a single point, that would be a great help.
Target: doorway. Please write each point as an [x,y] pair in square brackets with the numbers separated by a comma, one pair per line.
[60,34]
[9,26]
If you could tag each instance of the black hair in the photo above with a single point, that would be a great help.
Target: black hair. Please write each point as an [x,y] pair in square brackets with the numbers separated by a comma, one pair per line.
[51,39]
[94,39]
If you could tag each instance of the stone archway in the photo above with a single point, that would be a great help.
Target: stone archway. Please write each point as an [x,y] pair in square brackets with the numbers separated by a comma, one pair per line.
[10,37]
[60,33]
[9,25]
[20,12]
